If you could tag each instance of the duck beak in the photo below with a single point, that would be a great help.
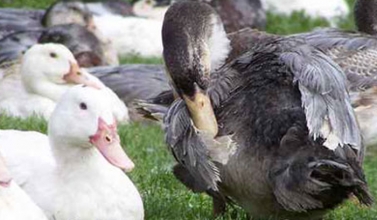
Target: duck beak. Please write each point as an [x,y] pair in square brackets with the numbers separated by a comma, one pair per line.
[201,111]
[75,76]
[5,177]
[107,141]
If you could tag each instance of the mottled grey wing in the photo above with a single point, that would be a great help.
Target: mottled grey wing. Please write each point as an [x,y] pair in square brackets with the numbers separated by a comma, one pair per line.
[354,52]
[360,67]
[324,97]
[135,81]
[188,147]
[327,38]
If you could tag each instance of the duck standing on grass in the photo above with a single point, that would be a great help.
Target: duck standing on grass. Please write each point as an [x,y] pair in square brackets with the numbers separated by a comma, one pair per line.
[273,129]
[76,171]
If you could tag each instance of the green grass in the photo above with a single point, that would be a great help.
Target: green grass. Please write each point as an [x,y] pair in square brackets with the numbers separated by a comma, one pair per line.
[164,197]
[138,59]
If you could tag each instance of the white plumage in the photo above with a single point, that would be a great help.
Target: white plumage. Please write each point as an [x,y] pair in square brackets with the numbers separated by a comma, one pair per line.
[45,73]
[329,9]
[65,173]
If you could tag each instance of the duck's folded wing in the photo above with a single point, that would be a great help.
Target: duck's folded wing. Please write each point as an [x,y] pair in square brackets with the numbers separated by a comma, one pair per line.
[13,45]
[26,154]
[22,14]
[188,147]
[132,82]
[355,53]
[324,97]
[10,23]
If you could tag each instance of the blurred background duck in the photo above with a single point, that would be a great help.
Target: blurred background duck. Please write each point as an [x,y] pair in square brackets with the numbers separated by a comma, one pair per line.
[45,73]
[82,43]
[287,144]
[235,14]
[331,10]
[128,32]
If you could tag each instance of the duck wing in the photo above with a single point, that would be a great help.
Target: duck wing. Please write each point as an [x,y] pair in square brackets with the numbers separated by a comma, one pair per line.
[131,82]
[323,88]
[27,154]
[15,20]
[354,52]
[13,45]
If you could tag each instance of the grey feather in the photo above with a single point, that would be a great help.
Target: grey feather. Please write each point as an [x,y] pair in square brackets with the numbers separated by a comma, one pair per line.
[133,81]
[188,147]
[324,95]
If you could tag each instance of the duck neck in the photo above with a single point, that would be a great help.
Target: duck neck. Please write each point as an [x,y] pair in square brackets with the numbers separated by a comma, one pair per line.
[366,16]
[46,89]
[75,158]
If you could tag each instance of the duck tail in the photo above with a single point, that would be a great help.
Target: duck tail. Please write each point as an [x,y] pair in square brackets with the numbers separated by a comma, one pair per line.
[318,178]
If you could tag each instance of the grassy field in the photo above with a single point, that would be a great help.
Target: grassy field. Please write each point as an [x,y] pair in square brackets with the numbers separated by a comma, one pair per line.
[164,197]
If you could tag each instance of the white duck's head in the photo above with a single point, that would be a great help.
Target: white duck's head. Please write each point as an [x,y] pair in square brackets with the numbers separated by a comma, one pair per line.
[83,119]
[5,177]
[49,69]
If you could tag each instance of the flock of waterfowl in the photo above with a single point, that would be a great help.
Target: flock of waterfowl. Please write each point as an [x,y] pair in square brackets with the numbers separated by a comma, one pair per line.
[278,125]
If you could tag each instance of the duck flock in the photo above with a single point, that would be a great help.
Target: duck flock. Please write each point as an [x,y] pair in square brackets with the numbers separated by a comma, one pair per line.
[278,125]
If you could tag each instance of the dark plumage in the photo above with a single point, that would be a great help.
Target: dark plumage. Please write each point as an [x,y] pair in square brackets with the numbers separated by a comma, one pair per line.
[16,20]
[81,42]
[14,45]
[366,16]
[355,52]
[238,14]
[271,103]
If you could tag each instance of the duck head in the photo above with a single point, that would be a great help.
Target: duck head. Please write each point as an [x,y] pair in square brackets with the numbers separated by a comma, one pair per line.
[68,12]
[195,44]
[5,177]
[49,69]
[84,45]
[366,16]
[83,121]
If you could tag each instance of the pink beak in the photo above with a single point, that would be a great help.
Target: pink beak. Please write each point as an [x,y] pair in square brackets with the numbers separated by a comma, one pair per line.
[5,177]
[107,142]
[74,76]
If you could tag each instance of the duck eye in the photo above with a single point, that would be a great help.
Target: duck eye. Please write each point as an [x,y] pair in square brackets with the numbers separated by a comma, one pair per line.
[83,106]
[53,55]
[108,138]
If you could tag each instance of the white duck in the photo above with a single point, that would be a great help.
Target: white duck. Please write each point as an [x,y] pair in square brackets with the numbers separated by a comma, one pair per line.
[329,9]
[75,171]
[131,35]
[126,34]
[14,203]
[45,73]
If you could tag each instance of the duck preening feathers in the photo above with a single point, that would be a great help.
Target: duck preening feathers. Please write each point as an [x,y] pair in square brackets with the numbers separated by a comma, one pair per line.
[274,129]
